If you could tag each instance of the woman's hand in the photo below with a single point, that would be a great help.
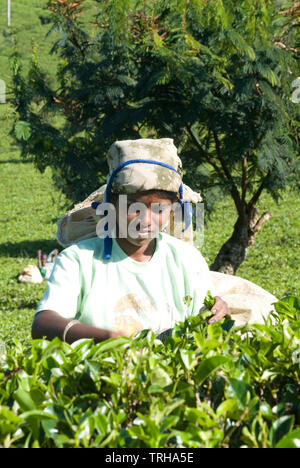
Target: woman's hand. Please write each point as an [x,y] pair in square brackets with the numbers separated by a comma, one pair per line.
[219,309]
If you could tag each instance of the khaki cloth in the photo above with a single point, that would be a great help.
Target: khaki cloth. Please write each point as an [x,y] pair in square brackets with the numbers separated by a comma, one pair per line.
[30,274]
[141,177]
[248,303]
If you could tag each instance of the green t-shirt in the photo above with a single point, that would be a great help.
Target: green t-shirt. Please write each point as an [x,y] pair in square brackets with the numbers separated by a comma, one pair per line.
[123,294]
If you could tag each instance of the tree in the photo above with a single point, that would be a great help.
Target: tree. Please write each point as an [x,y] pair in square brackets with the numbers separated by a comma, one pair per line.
[207,73]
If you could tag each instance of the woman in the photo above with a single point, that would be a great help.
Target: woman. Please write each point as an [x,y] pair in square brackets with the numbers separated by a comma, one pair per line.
[133,276]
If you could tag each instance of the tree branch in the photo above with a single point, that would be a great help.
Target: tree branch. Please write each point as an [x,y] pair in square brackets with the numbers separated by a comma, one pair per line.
[264,217]
[256,196]
[258,225]
[244,177]
[234,191]
[77,44]
[204,153]
[294,8]
[260,139]
[283,46]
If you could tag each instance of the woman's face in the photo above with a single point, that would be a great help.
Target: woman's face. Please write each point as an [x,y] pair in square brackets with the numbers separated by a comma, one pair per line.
[143,217]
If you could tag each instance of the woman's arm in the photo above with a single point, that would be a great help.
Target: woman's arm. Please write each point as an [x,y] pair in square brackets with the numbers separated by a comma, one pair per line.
[49,324]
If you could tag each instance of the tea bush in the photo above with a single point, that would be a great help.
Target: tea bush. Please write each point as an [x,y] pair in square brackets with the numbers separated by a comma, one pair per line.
[199,386]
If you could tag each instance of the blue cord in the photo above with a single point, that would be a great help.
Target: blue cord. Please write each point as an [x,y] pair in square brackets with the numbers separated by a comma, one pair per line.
[134,161]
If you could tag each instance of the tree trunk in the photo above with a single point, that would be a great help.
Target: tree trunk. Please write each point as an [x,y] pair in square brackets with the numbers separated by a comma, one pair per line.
[234,251]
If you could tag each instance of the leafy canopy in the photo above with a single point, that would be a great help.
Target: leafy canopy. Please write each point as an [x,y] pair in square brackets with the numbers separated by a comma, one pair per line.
[207,73]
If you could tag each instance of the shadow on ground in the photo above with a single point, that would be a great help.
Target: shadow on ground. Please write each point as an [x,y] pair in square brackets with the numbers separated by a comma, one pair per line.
[16,161]
[28,248]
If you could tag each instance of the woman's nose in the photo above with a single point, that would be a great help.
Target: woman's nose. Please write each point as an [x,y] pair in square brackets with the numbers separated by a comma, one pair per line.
[146,216]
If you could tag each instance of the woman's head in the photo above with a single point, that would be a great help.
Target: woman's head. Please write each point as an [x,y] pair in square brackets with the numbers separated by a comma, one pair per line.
[136,168]
[141,216]
[163,194]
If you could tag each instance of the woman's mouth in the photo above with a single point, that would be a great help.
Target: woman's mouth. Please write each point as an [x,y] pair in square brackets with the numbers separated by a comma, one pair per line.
[145,234]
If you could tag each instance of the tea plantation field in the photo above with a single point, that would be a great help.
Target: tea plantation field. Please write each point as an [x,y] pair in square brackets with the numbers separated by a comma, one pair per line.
[203,386]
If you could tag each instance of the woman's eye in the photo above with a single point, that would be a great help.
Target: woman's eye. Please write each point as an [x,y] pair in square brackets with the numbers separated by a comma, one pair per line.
[163,208]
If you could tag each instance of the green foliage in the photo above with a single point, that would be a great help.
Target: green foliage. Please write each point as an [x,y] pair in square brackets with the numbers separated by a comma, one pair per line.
[204,386]
[29,208]
[22,130]
[209,301]
[163,399]
[212,75]
[274,263]
[29,22]
[208,74]
[289,22]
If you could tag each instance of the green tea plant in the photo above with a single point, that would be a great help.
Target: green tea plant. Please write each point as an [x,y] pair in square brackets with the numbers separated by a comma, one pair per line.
[201,386]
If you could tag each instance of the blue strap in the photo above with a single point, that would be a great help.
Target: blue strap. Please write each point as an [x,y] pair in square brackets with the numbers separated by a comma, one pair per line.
[134,161]
[185,205]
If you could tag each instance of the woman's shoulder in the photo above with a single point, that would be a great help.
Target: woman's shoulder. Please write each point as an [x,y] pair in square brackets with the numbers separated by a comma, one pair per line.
[180,247]
[83,248]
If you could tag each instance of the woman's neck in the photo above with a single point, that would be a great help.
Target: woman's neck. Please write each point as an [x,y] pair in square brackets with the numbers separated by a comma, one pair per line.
[139,253]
